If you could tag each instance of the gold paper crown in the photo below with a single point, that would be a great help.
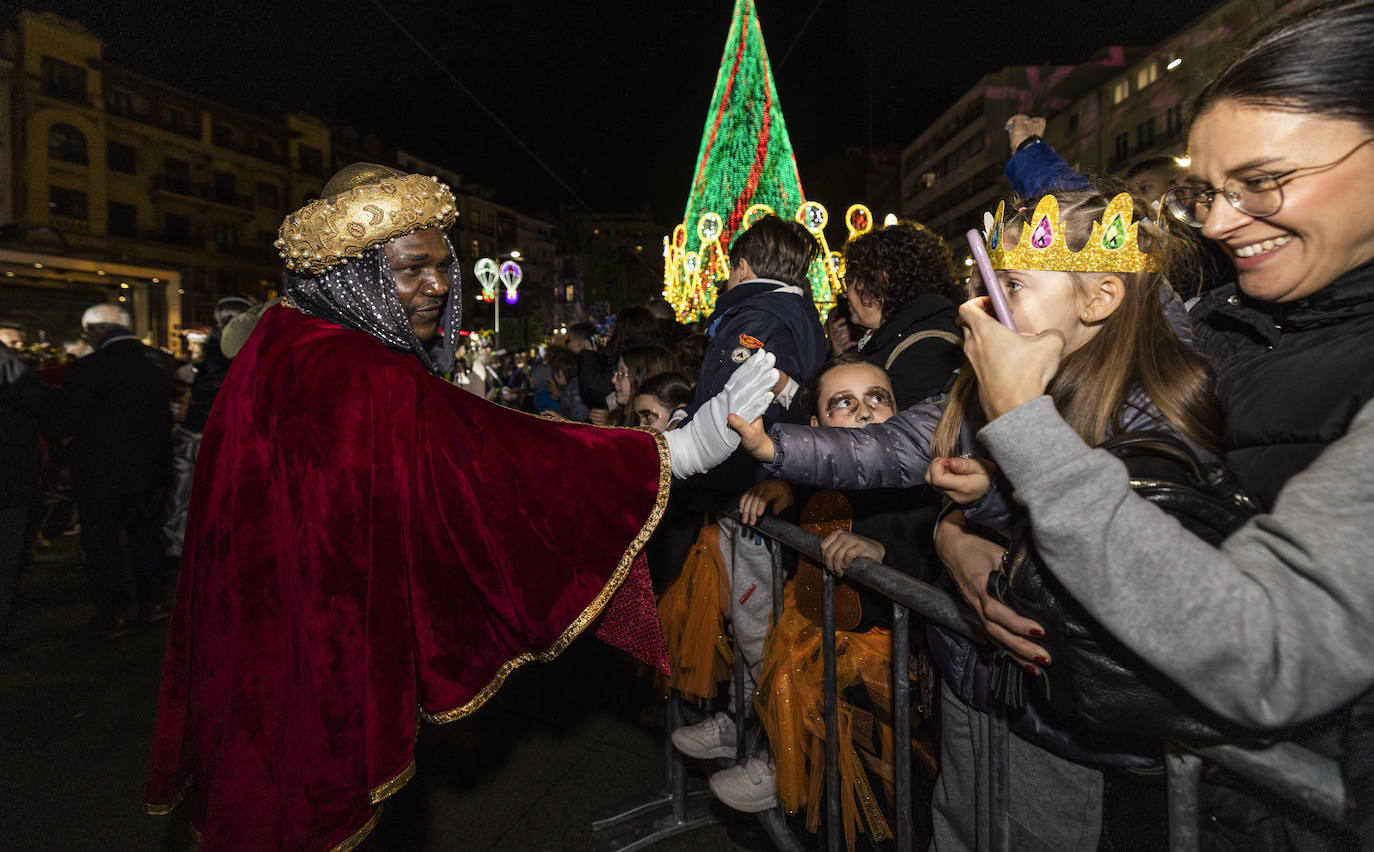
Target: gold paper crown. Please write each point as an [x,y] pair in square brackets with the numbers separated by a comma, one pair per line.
[330,230]
[1111,247]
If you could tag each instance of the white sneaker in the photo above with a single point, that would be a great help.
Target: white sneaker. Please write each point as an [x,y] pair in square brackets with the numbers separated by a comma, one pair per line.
[712,738]
[750,787]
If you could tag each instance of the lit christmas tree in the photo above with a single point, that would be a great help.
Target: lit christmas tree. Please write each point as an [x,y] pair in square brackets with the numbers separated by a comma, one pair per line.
[745,168]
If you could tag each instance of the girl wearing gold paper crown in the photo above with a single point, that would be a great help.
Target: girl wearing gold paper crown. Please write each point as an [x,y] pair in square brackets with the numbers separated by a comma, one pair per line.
[1087,265]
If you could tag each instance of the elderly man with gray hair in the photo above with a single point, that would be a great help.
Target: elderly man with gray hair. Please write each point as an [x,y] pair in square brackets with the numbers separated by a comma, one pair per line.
[115,408]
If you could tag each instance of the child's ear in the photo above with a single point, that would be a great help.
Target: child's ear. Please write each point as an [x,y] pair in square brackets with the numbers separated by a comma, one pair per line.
[1107,293]
[814,421]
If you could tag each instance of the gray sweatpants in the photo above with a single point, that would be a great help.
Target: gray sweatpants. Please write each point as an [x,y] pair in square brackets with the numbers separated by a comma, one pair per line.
[749,559]
[1056,804]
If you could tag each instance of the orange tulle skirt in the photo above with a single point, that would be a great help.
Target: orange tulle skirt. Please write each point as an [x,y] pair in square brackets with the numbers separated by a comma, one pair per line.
[690,611]
[791,705]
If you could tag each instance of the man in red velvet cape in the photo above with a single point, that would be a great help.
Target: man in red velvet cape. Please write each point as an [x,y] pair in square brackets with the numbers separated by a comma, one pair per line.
[368,544]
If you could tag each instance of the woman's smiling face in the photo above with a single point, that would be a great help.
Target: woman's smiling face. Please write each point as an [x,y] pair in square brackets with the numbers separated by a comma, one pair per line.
[1324,228]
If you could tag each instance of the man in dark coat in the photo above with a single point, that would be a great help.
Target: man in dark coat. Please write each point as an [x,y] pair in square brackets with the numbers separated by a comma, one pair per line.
[116,409]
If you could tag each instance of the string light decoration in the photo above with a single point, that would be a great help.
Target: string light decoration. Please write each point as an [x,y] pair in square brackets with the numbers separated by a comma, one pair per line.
[745,170]
[745,159]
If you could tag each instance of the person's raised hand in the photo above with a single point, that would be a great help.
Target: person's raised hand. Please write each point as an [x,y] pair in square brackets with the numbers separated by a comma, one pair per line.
[841,548]
[962,480]
[706,440]
[1021,127]
[599,416]
[753,437]
[1012,367]
[769,495]
[970,559]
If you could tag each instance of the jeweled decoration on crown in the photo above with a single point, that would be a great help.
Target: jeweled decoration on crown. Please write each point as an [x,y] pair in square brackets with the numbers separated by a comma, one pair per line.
[1111,247]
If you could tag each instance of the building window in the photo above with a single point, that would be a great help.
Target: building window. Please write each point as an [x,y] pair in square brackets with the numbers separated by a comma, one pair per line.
[121,158]
[476,249]
[1073,122]
[176,175]
[1121,90]
[63,80]
[67,144]
[119,102]
[226,238]
[266,240]
[570,292]
[1173,121]
[1146,75]
[68,203]
[267,194]
[222,135]
[178,229]
[123,220]
[1123,145]
[177,119]
[312,161]
[267,149]
[1145,133]
[226,187]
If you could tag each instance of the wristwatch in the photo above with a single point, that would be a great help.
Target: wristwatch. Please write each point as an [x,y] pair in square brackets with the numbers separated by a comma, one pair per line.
[1025,143]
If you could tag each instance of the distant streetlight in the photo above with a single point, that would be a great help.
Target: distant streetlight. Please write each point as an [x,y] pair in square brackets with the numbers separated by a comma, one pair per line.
[510,275]
[1172,65]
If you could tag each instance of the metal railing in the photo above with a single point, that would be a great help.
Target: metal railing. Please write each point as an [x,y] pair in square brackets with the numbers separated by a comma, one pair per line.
[1293,773]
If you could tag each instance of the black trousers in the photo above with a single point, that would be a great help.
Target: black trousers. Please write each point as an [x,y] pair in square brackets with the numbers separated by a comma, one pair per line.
[139,518]
[13,520]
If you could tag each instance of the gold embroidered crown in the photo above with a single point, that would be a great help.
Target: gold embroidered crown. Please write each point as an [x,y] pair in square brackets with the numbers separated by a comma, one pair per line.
[1111,247]
[330,230]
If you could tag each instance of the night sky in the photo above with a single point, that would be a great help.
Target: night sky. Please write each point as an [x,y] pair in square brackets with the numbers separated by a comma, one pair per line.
[611,96]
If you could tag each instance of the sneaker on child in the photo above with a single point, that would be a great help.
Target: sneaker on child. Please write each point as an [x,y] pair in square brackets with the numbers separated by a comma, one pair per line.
[712,738]
[750,787]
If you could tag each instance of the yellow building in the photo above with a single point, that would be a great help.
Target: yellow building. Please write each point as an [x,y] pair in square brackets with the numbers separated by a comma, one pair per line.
[132,190]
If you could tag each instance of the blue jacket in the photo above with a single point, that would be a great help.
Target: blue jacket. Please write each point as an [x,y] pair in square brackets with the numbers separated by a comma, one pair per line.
[783,318]
[1037,168]
[779,316]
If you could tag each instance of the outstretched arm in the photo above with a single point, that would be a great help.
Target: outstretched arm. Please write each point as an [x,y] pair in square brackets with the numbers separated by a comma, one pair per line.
[893,454]
[705,441]
[1270,629]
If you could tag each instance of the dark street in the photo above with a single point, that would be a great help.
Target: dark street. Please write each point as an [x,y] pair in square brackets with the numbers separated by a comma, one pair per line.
[527,772]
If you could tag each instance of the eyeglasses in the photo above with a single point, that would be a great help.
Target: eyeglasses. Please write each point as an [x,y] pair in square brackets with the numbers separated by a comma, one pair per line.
[1257,195]
[620,374]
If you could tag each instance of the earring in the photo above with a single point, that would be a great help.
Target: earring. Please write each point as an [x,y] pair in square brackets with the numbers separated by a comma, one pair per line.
[1085,315]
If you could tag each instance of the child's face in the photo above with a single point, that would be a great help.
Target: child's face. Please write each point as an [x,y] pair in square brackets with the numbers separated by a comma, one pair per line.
[651,412]
[854,395]
[1042,300]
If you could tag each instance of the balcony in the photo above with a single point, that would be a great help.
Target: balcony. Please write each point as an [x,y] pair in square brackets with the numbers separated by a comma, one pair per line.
[174,185]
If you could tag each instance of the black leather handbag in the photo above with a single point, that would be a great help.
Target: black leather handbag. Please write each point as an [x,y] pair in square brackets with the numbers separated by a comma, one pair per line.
[1094,676]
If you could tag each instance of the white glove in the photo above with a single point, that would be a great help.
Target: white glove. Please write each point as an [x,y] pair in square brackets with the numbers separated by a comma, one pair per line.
[707,440]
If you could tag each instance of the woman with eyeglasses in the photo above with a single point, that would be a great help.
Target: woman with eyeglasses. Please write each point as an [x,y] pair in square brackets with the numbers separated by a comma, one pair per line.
[1275,628]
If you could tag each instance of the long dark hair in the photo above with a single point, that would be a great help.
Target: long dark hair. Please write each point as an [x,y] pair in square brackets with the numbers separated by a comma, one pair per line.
[1319,60]
[1135,347]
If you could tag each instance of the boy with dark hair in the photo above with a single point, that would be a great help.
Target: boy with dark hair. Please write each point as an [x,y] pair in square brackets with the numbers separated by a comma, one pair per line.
[766,303]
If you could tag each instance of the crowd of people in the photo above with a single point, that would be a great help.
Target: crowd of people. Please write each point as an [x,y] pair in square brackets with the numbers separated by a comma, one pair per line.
[408,551]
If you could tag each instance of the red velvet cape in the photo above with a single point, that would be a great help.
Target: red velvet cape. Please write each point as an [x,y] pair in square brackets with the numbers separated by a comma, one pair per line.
[368,544]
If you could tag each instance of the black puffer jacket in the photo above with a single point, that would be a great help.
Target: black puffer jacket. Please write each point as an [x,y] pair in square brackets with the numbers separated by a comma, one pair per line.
[1291,378]
[924,368]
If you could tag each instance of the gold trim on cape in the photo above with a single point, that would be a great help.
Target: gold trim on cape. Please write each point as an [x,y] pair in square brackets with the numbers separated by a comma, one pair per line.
[361,834]
[665,478]
[376,794]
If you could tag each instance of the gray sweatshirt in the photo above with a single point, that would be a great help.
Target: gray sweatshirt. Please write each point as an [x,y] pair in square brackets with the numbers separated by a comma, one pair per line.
[1275,627]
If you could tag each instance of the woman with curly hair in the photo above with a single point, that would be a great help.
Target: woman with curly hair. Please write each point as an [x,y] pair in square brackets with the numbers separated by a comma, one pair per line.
[902,287]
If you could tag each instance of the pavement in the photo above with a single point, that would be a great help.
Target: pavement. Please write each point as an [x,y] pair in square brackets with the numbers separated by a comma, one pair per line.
[556,745]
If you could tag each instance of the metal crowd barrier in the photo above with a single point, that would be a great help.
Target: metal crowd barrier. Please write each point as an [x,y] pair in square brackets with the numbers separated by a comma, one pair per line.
[1295,774]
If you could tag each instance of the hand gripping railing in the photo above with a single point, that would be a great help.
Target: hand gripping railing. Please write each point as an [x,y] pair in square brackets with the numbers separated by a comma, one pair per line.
[1292,772]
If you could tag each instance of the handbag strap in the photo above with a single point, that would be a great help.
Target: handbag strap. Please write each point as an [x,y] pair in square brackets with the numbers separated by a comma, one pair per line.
[1164,444]
[948,337]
